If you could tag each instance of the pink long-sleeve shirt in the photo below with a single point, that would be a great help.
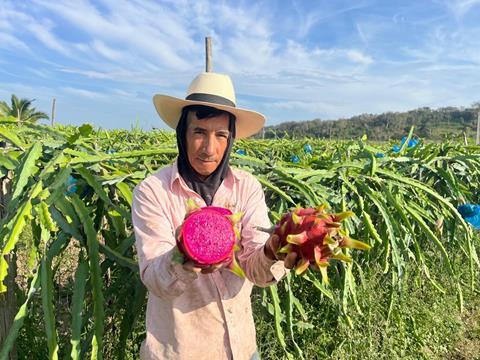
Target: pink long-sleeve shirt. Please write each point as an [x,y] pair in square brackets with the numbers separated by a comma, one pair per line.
[190,315]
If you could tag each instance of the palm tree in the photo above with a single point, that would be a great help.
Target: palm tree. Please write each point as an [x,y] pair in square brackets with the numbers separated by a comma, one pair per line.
[21,110]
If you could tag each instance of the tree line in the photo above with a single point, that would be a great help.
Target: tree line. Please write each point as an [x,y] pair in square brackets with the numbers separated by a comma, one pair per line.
[433,124]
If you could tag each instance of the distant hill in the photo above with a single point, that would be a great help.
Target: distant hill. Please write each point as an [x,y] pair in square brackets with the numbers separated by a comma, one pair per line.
[447,122]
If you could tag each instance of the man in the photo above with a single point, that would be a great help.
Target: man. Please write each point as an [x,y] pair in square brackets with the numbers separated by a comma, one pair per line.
[202,313]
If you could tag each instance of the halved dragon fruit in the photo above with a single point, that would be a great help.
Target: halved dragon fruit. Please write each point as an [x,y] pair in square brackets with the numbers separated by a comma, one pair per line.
[209,235]
[316,236]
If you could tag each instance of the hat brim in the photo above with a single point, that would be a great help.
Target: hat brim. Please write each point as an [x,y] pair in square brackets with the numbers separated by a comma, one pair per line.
[247,122]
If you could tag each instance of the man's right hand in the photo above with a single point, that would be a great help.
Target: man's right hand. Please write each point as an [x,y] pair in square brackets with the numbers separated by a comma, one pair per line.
[190,266]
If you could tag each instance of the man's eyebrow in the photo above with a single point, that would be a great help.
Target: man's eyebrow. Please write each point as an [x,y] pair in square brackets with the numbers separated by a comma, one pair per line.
[222,131]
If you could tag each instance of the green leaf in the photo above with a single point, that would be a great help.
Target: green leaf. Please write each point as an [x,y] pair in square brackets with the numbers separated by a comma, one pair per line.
[429,233]
[85,129]
[81,157]
[12,138]
[13,229]
[117,257]
[125,191]
[47,303]
[132,311]
[95,276]
[290,301]
[275,189]
[322,288]
[14,330]
[26,170]
[92,181]
[278,320]
[45,217]
[405,144]
[81,275]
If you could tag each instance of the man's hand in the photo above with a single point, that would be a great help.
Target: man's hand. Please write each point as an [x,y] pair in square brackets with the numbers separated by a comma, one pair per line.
[190,266]
[271,248]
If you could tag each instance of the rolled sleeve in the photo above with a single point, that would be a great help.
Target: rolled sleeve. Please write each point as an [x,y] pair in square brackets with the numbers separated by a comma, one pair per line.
[259,269]
[155,244]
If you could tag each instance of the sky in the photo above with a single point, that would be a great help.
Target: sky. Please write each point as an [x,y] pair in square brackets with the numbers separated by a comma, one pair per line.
[103,60]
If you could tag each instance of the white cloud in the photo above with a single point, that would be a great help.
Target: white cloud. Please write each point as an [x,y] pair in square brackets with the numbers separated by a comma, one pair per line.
[460,7]
[106,51]
[359,57]
[84,93]
[89,73]
[44,34]
[9,41]
[39,73]
[304,106]
[147,29]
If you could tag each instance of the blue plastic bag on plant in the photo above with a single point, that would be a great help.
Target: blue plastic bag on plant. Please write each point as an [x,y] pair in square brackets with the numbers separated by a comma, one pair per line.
[411,142]
[71,185]
[307,148]
[295,159]
[471,214]
[241,152]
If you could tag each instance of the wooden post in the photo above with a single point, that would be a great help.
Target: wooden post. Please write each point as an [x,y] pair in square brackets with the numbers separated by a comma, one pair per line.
[208,54]
[478,127]
[53,111]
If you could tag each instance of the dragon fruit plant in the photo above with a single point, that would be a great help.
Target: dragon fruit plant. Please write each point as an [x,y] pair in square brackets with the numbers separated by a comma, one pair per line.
[316,236]
[208,237]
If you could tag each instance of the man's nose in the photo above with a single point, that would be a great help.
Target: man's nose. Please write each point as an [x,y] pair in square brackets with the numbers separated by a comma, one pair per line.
[209,146]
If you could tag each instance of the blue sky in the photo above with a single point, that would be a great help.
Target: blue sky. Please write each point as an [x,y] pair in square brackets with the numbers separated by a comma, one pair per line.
[103,60]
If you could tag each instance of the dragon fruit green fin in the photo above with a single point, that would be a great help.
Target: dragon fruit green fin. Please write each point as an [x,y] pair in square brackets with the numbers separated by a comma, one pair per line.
[191,206]
[350,243]
[235,218]
[302,266]
[235,268]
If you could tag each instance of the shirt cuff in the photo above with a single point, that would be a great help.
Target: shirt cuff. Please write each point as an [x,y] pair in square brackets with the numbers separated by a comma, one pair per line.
[278,270]
[276,267]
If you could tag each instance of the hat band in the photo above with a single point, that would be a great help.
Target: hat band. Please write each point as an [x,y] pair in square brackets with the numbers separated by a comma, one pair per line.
[210,98]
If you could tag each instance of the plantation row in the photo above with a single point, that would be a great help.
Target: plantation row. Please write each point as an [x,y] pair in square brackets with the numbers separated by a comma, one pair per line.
[72,189]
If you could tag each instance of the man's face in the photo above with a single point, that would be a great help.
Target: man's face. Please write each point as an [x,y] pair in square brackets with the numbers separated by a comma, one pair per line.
[207,140]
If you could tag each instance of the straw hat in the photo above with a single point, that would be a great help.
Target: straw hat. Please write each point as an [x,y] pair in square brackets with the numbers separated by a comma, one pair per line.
[210,89]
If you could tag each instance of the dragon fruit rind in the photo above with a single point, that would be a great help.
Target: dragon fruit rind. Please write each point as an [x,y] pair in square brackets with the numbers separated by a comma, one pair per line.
[208,236]
[316,236]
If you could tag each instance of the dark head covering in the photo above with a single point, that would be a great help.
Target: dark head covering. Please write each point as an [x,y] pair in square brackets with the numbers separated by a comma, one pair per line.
[207,187]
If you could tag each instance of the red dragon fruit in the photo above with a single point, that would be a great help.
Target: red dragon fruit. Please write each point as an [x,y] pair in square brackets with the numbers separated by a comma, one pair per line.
[208,236]
[316,236]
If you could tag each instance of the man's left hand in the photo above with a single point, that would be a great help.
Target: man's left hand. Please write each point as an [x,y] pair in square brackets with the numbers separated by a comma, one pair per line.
[270,250]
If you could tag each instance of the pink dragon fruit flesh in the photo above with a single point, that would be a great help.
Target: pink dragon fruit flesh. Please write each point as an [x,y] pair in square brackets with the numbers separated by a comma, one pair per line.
[209,236]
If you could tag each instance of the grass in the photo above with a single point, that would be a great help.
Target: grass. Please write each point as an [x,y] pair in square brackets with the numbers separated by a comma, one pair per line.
[423,323]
